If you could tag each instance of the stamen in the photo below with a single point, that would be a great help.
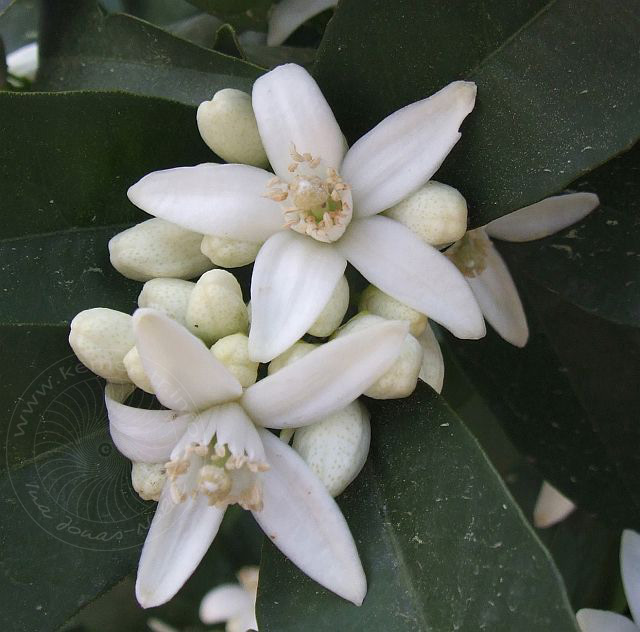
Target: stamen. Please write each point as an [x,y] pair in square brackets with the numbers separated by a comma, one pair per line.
[317,207]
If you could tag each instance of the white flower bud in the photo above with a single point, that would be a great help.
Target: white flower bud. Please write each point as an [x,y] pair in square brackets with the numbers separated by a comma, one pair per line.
[336,448]
[401,379]
[170,296]
[551,507]
[333,313]
[294,352]
[229,253]
[156,248]
[101,337]
[233,352]
[216,308]
[376,302]
[136,372]
[436,212]
[148,479]
[228,125]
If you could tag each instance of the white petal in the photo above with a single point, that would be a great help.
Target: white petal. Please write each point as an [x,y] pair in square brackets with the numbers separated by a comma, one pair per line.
[402,152]
[398,262]
[326,379]
[224,602]
[184,373]
[543,218]
[23,62]
[223,200]
[603,621]
[551,507]
[143,435]
[293,279]
[288,15]
[236,430]
[499,300]
[306,524]
[179,537]
[630,566]
[432,371]
[290,108]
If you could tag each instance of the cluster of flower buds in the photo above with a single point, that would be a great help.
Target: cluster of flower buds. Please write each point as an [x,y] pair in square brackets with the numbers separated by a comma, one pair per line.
[300,296]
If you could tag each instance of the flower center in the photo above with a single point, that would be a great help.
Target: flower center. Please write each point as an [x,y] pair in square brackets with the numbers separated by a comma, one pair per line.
[313,206]
[470,253]
[211,470]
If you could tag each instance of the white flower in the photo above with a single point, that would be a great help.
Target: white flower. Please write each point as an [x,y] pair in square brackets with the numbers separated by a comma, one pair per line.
[331,213]
[215,455]
[603,621]
[233,604]
[486,271]
[288,15]
[170,296]
[23,62]
[551,507]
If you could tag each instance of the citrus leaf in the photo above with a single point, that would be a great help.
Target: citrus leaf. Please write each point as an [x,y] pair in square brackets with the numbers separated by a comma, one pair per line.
[557,88]
[443,544]
[82,49]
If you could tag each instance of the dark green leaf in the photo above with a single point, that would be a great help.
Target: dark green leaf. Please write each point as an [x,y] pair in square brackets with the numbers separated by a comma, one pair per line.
[595,264]
[557,90]
[443,544]
[19,23]
[69,510]
[83,49]
[568,401]
[227,43]
[161,12]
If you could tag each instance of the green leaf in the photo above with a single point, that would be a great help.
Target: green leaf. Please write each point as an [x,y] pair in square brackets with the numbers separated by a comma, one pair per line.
[66,163]
[19,23]
[443,544]
[82,49]
[557,86]
[595,264]
[568,401]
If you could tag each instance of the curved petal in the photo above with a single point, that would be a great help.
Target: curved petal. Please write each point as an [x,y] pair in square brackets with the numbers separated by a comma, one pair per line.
[143,435]
[224,602]
[402,152]
[398,262]
[306,524]
[602,621]
[288,15]
[499,300]
[543,218]
[183,372]
[551,507]
[293,279]
[630,567]
[223,200]
[326,379]
[290,108]
[179,536]
[432,370]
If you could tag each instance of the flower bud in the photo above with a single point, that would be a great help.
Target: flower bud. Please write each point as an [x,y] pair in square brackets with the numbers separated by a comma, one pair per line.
[228,125]
[216,308]
[170,296]
[148,479]
[101,337]
[401,379]
[436,212]
[551,507]
[376,302]
[156,248]
[229,253]
[233,352]
[336,448]
[294,352]
[333,313]
[136,372]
